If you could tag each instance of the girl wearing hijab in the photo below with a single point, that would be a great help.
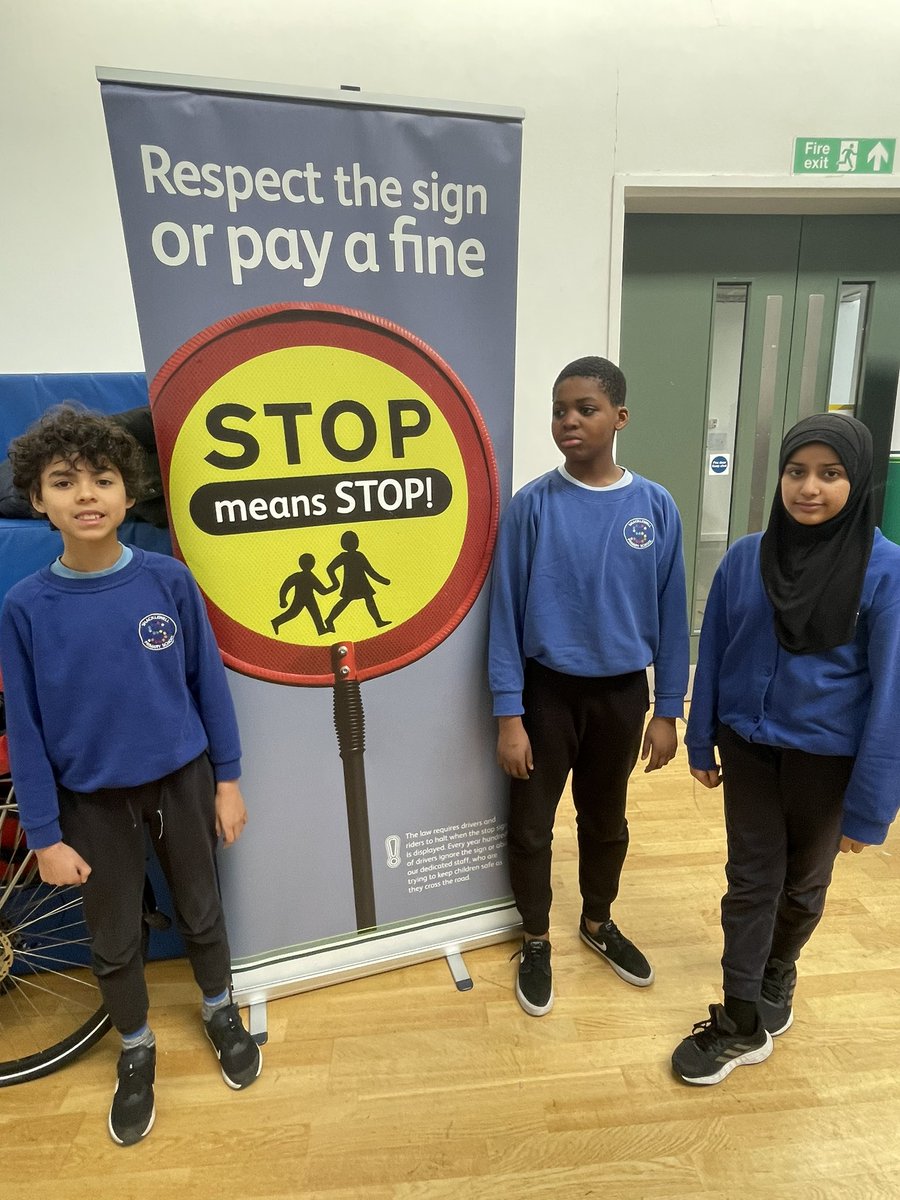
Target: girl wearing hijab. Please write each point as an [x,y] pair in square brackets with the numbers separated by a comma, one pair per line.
[798,687]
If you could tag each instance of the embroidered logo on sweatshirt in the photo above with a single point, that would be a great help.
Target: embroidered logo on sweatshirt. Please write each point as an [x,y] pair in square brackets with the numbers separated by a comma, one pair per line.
[157,631]
[639,533]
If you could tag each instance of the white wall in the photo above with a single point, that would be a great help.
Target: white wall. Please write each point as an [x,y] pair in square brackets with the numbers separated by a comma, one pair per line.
[609,86]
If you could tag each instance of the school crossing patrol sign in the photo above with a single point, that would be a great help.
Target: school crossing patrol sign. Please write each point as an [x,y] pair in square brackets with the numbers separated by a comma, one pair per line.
[325,287]
[330,478]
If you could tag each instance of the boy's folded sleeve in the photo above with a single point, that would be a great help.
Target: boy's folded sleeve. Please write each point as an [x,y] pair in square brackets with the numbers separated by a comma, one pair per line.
[872,797]
[208,684]
[702,725]
[32,771]
[671,664]
[506,613]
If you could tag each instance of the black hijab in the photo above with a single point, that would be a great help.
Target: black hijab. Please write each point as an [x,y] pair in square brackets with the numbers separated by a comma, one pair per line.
[813,574]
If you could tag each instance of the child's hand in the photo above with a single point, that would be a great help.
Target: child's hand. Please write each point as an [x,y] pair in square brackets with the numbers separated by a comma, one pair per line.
[709,779]
[660,742]
[231,814]
[848,844]
[60,865]
[514,748]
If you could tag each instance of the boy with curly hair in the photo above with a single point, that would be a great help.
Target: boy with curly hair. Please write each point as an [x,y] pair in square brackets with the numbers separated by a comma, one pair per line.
[119,716]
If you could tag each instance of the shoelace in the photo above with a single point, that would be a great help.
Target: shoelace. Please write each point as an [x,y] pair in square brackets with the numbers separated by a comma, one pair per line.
[531,956]
[133,1077]
[229,1030]
[706,1033]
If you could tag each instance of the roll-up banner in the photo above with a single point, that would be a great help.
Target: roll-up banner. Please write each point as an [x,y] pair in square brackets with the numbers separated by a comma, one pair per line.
[325,287]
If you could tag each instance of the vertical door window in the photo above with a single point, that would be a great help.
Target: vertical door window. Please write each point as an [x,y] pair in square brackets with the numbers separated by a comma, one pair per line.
[726,357]
[847,350]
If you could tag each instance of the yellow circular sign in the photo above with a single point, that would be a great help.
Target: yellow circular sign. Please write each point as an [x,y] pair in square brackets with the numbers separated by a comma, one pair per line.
[292,404]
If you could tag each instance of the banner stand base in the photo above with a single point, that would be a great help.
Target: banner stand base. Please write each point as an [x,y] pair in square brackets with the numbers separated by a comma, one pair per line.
[304,968]
[259,1023]
[461,976]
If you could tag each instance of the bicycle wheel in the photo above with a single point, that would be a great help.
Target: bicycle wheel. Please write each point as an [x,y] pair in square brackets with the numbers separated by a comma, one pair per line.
[50,1006]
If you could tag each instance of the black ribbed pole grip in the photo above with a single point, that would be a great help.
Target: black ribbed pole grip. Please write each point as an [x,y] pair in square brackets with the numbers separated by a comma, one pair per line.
[350,726]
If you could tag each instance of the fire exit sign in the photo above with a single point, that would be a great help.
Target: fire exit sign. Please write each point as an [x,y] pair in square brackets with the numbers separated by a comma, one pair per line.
[844,156]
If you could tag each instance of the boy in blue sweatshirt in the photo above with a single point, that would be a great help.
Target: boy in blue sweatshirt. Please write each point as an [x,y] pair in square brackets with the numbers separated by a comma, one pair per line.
[119,715]
[588,591]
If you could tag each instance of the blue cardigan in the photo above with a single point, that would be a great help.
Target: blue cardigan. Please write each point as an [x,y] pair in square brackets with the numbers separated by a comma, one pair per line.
[845,701]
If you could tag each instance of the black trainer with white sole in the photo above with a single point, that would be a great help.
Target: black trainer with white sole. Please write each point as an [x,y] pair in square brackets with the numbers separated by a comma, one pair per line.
[239,1056]
[133,1109]
[534,978]
[621,954]
[715,1048]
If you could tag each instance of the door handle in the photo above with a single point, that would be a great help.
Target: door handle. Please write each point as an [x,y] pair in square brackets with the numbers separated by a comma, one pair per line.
[768,373]
[815,309]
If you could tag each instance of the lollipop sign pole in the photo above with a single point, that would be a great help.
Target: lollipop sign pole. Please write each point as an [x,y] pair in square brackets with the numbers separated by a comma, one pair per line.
[350,726]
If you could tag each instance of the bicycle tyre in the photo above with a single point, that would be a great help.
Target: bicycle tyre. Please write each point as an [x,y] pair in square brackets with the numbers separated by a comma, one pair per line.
[50,1008]
[45,1062]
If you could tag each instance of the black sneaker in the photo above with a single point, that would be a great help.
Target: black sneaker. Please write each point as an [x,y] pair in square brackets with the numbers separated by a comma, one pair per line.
[132,1112]
[239,1056]
[534,981]
[777,996]
[623,956]
[715,1048]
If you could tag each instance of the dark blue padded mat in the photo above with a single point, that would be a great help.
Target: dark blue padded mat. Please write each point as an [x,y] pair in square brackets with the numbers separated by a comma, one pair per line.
[23,398]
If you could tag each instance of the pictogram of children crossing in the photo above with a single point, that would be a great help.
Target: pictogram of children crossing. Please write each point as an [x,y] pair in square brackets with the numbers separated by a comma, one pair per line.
[357,576]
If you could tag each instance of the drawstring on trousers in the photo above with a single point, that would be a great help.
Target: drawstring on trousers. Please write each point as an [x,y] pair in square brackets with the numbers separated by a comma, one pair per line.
[134,818]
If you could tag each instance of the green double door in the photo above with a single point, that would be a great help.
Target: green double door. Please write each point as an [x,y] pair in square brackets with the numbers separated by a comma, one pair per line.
[733,328]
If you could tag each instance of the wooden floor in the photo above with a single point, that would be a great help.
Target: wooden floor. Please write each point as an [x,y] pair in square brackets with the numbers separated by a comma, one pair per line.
[399,1086]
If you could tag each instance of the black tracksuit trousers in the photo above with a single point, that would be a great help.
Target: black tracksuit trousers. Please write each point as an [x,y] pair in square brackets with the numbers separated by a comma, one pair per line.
[783,813]
[592,727]
[107,830]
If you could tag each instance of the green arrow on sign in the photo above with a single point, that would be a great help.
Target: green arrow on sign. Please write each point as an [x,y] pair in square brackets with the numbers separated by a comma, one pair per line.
[844,156]
[879,155]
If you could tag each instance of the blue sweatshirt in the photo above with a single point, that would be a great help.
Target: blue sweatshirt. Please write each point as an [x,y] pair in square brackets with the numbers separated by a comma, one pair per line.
[844,701]
[589,582]
[110,681]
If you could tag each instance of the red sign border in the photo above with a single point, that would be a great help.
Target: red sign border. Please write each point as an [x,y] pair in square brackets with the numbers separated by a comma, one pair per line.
[196,365]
